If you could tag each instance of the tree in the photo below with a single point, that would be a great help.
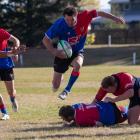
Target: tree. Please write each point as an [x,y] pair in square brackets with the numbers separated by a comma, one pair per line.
[29,19]
[89,4]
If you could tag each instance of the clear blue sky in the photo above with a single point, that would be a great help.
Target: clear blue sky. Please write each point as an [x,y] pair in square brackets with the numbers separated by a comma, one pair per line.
[104,4]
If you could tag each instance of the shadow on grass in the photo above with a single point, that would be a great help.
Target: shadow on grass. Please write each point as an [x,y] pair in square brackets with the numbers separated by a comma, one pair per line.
[124,126]
[66,136]
[124,133]
[59,128]
[55,123]
[47,128]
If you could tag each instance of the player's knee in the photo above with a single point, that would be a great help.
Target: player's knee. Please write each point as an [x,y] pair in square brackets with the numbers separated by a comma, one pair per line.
[132,119]
[131,122]
[0,98]
[77,67]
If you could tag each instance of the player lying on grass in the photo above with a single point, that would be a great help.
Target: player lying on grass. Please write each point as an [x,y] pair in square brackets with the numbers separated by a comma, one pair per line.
[124,86]
[98,114]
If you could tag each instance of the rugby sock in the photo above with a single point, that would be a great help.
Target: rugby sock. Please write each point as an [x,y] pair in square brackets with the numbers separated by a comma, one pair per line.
[124,110]
[73,78]
[124,114]
[3,109]
[12,98]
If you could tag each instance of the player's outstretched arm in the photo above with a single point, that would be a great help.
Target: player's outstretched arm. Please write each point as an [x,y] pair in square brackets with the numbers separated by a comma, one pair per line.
[94,101]
[126,95]
[119,20]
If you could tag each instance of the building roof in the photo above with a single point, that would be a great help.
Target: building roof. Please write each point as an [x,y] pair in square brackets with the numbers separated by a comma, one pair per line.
[131,17]
[118,1]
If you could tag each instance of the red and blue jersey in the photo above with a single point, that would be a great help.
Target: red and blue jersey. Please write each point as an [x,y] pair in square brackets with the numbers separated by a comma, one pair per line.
[124,82]
[5,63]
[88,115]
[76,35]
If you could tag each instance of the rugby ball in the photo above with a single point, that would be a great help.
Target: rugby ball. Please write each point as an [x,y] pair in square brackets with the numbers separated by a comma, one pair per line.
[66,47]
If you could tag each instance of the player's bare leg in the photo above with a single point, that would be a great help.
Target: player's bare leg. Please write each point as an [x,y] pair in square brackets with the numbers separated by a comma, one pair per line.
[12,93]
[77,64]
[133,115]
[57,78]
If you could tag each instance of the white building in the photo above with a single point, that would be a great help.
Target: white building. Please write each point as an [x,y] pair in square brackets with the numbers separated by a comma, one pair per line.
[129,9]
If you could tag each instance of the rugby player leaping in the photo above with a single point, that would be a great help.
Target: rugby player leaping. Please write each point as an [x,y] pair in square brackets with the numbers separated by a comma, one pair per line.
[72,27]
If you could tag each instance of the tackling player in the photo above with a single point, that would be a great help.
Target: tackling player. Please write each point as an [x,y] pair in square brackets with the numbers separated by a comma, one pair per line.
[98,114]
[72,27]
[124,86]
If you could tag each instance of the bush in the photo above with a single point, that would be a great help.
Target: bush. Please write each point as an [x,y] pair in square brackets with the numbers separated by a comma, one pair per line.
[90,39]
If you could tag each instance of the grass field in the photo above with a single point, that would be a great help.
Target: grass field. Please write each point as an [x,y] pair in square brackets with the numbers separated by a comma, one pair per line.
[38,113]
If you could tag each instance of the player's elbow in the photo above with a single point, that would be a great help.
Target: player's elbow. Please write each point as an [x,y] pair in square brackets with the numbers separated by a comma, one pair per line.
[48,44]
[15,40]
[44,40]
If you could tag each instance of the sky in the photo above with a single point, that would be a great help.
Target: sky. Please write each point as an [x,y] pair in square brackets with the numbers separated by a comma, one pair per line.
[104,4]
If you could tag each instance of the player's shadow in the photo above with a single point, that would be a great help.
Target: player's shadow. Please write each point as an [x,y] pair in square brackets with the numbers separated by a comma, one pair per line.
[66,136]
[124,126]
[55,123]
[58,128]
[120,126]
[54,127]
[61,136]
[123,133]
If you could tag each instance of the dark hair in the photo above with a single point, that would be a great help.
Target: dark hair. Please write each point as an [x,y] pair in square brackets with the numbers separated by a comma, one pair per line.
[66,111]
[108,81]
[70,11]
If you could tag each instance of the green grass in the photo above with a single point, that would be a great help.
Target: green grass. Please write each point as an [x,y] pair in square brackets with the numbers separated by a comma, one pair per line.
[38,114]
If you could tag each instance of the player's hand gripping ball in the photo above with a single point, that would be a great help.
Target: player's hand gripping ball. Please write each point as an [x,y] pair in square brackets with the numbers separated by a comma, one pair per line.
[66,47]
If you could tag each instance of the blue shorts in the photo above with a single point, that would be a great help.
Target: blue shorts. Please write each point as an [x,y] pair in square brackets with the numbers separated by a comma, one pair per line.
[135,100]
[107,113]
